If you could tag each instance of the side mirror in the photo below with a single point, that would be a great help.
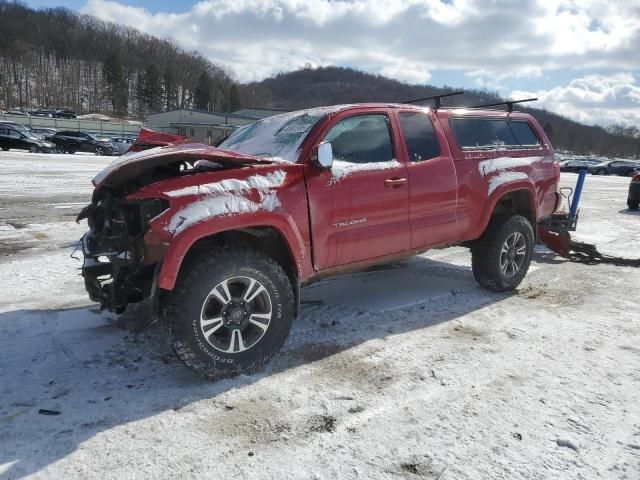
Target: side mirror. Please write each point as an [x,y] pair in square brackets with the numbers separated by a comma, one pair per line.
[324,158]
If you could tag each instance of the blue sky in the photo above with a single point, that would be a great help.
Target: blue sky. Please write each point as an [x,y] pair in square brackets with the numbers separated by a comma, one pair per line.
[580,57]
[153,6]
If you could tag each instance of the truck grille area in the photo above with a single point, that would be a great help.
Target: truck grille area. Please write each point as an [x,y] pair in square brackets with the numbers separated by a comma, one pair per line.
[114,250]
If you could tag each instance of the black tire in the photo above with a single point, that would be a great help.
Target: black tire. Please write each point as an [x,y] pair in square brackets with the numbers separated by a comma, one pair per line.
[488,258]
[192,309]
[633,204]
[99,151]
[602,171]
[33,149]
[5,149]
[70,151]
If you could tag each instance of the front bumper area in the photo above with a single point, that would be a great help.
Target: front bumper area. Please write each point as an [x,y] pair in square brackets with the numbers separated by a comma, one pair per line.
[114,284]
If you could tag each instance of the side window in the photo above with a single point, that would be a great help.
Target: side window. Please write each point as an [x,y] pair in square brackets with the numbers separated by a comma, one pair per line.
[491,133]
[419,136]
[14,134]
[524,134]
[361,139]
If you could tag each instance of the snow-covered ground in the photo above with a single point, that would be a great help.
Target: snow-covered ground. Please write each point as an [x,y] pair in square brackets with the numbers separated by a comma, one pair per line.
[409,370]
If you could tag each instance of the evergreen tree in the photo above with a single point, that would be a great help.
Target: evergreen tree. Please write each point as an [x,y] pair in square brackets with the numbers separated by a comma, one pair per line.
[117,88]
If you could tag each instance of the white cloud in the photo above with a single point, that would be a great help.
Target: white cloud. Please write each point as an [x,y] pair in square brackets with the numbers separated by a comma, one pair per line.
[494,36]
[492,40]
[593,99]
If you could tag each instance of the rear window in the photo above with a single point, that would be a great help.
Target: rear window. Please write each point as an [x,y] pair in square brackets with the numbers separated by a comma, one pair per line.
[482,133]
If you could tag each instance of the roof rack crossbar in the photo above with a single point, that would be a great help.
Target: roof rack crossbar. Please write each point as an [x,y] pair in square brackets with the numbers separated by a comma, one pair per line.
[508,103]
[437,98]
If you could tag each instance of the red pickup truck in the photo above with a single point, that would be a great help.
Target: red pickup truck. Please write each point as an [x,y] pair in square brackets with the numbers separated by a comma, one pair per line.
[221,239]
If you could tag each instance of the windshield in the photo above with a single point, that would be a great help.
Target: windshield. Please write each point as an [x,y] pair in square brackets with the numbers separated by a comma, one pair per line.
[32,136]
[279,136]
[92,137]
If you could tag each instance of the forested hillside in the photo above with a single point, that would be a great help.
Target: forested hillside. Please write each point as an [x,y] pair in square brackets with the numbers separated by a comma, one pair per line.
[56,58]
[311,87]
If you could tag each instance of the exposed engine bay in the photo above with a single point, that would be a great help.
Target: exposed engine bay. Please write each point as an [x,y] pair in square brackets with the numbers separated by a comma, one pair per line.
[117,269]
[114,253]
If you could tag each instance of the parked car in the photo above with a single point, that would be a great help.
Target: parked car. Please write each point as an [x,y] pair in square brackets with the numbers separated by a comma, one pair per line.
[574,166]
[11,138]
[64,114]
[71,142]
[46,133]
[123,143]
[615,167]
[17,112]
[39,112]
[633,199]
[221,239]
[15,125]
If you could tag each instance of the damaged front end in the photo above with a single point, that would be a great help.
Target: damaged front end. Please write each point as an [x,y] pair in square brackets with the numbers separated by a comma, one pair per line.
[117,269]
[126,242]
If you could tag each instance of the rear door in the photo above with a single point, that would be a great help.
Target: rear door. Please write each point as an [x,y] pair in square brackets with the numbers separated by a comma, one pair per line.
[85,143]
[433,186]
[359,208]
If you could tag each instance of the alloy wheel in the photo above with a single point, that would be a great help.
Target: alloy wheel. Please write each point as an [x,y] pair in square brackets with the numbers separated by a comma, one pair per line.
[236,314]
[513,254]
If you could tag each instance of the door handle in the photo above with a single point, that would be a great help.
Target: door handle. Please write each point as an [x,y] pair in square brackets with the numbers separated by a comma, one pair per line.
[395,182]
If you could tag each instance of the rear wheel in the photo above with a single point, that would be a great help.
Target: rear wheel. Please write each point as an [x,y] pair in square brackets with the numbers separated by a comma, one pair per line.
[602,171]
[500,259]
[230,312]
[633,204]
[99,151]
[5,149]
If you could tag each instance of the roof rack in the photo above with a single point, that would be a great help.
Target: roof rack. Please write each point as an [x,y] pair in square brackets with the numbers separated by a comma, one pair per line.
[437,98]
[509,103]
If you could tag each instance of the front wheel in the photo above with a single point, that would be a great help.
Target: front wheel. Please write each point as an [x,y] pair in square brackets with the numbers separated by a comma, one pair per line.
[602,171]
[501,257]
[99,151]
[633,204]
[33,149]
[230,312]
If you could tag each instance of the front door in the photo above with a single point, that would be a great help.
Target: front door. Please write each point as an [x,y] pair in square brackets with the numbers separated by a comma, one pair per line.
[360,207]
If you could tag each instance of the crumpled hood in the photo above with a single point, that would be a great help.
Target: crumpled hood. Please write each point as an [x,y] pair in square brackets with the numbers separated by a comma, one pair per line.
[130,166]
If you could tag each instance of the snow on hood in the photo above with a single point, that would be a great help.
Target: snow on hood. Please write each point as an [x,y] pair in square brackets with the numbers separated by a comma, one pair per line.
[132,165]
[226,198]
[259,182]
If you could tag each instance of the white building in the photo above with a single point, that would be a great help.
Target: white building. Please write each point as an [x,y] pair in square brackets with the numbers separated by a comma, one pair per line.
[203,126]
